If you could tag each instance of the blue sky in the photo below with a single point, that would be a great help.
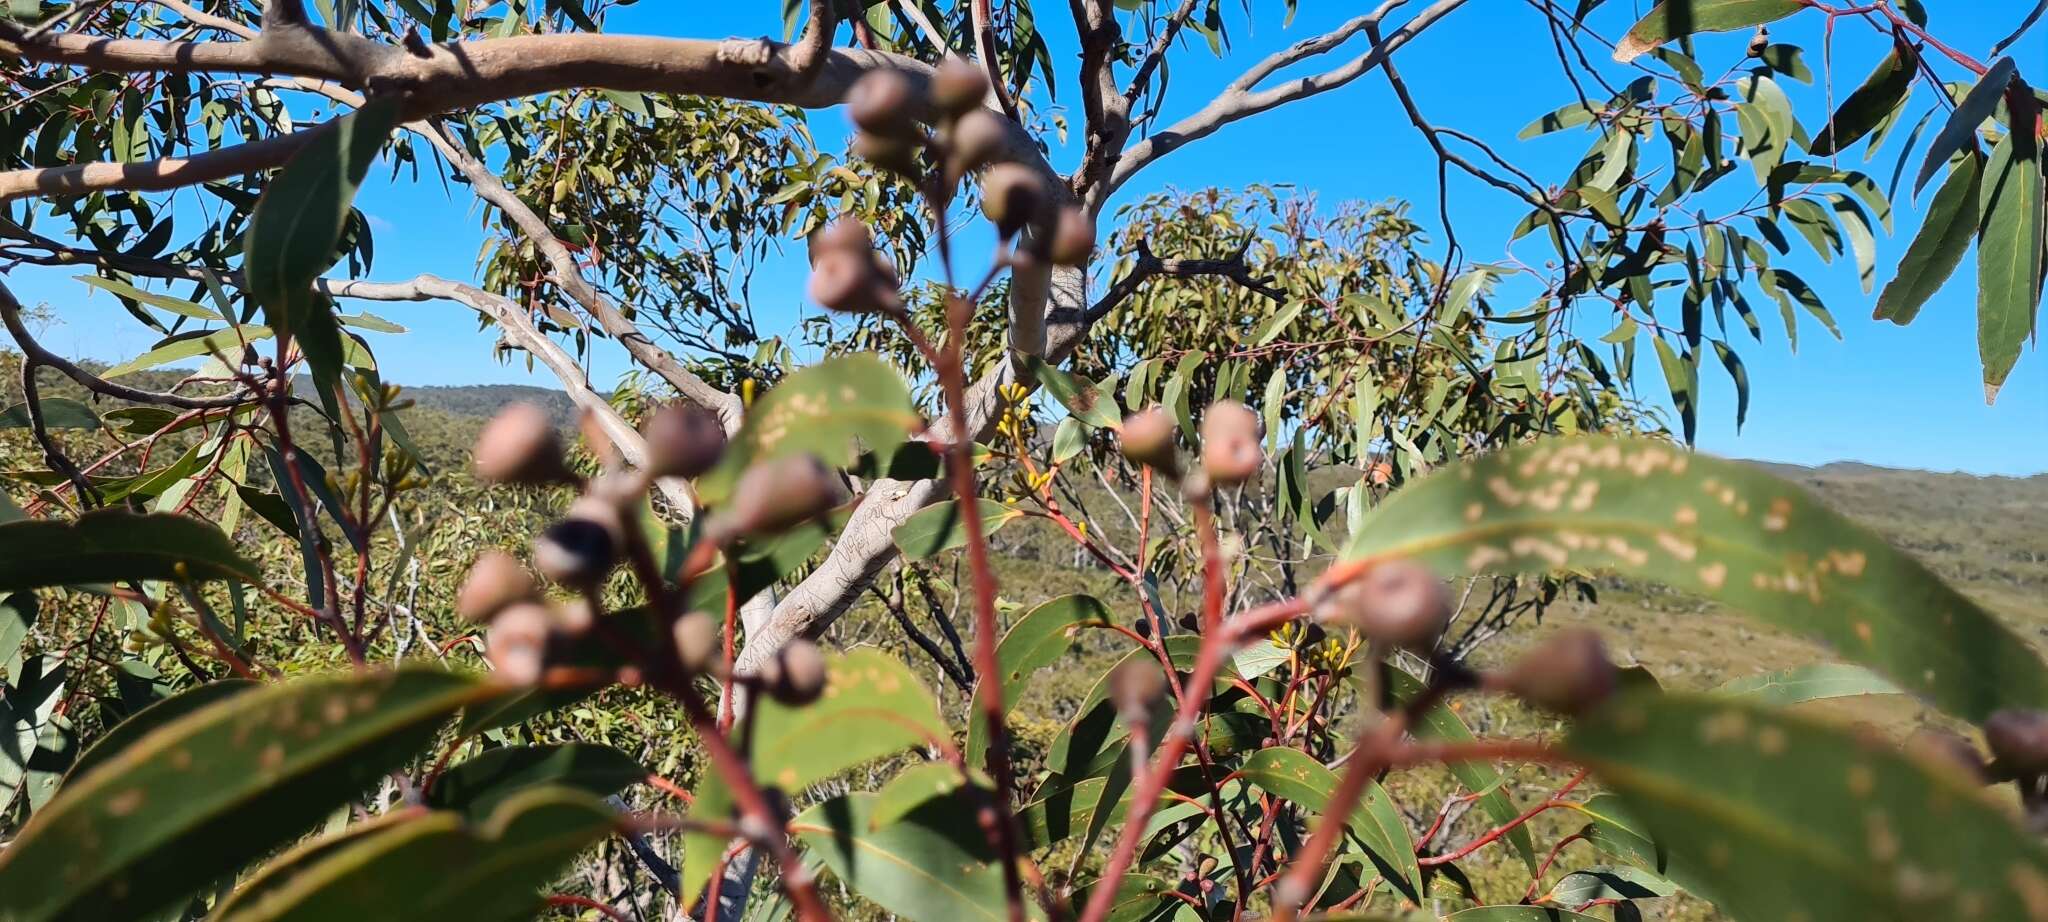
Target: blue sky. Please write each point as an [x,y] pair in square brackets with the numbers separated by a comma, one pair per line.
[1896,396]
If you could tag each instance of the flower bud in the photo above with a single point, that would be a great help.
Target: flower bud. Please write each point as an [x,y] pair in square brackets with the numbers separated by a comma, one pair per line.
[520,446]
[777,495]
[958,86]
[1568,674]
[1134,686]
[799,674]
[517,643]
[2019,738]
[1012,196]
[1398,602]
[495,582]
[881,103]
[975,141]
[683,440]
[1147,438]
[697,646]
[853,283]
[1230,443]
[581,549]
[1073,237]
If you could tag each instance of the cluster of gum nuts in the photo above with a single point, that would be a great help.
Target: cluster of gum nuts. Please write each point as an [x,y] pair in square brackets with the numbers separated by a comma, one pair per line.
[520,446]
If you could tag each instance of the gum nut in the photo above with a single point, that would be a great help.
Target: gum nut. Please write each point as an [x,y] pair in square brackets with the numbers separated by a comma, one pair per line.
[2019,738]
[958,86]
[975,141]
[1230,443]
[1073,237]
[848,283]
[575,552]
[1012,196]
[683,440]
[1568,674]
[495,581]
[801,675]
[1134,685]
[517,642]
[1147,438]
[881,102]
[1397,602]
[697,646]
[893,154]
[844,233]
[520,446]
[777,495]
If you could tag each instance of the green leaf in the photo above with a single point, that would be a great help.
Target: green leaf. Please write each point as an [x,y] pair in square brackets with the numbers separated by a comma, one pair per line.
[227,342]
[1959,133]
[132,293]
[1789,289]
[912,788]
[1937,249]
[1862,240]
[1765,118]
[873,706]
[921,868]
[58,413]
[940,527]
[829,410]
[1442,723]
[2008,255]
[430,866]
[296,227]
[1682,378]
[1785,815]
[17,617]
[1811,682]
[1293,775]
[1877,98]
[1610,829]
[200,796]
[1647,509]
[1675,19]
[126,734]
[114,544]
[1739,375]
[1035,641]
[477,786]
[1788,60]
[1570,116]
[1083,398]
[1606,884]
[1517,914]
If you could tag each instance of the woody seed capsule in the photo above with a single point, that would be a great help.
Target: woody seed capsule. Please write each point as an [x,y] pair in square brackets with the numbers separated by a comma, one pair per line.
[973,142]
[799,676]
[1230,443]
[1147,439]
[881,102]
[519,446]
[1073,237]
[777,495]
[1012,196]
[696,638]
[1568,674]
[852,283]
[495,582]
[2019,738]
[1134,685]
[958,87]
[517,642]
[683,440]
[1398,602]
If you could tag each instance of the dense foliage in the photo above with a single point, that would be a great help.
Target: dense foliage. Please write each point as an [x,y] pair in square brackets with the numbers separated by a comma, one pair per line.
[270,651]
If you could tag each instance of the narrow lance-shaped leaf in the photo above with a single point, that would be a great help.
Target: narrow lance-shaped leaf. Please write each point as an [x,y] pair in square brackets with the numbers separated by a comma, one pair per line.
[1789,816]
[1037,640]
[1295,776]
[1652,510]
[829,410]
[198,797]
[1960,131]
[298,223]
[1945,234]
[2008,254]
[1808,683]
[126,733]
[941,527]
[479,785]
[1675,19]
[928,867]
[114,544]
[1870,103]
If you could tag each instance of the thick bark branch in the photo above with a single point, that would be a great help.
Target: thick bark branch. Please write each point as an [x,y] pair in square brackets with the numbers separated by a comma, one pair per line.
[1241,99]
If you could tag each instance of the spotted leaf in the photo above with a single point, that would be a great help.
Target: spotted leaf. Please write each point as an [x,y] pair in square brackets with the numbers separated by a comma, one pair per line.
[1790,817]
[1726,529]
[831,410]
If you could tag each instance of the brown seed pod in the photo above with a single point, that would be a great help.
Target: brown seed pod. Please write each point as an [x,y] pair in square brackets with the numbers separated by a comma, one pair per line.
[975,141]
[853,283]
[683,440]
[779,494]
[1230,443]
[1073,237]
[520,446]
[495,582]
[843,233]
[581,549]
[800,673]
[881,103]
[1147,438]
[1400,603]
[697,643]
[517,642]
[2019,739]
[1568,674]
[958,86]
[1134,686]
[1012,196]
[893,154]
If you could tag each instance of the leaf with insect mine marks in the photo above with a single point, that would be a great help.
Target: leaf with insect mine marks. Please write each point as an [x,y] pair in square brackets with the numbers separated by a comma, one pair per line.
[1675,19]
[1649,509]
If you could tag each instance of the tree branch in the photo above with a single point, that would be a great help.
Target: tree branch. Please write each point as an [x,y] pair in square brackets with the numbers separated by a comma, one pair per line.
[1241,99]
[1150,266]
[34,354]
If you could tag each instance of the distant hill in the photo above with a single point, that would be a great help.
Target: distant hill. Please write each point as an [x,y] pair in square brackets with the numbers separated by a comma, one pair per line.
[483,400]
